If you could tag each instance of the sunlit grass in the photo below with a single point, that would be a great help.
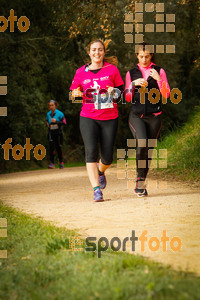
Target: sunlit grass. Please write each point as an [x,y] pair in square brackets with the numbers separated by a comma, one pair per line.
[40,265]
[183,148]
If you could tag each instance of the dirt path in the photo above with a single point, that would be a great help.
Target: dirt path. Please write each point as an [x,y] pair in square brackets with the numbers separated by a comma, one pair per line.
[65,198]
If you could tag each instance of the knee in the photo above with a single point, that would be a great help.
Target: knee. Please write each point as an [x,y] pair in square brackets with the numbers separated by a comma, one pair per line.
[106,161]
[107,157]
[91,154]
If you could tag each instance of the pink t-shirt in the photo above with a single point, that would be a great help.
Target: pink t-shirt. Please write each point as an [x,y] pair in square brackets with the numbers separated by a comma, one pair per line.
[145,74]
[108,75]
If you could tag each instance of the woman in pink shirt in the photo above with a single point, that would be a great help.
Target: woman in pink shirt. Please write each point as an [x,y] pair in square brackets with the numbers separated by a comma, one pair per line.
[95,82]
[144,83]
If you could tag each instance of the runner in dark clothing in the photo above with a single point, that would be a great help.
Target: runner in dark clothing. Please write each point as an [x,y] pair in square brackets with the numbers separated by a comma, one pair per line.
[55,120]
[145,119]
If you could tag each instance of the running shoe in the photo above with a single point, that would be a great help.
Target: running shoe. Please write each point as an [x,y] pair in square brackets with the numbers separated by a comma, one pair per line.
[141,193]
[140,189]
[102,180]
[98,196]
[61,165]
[51,166]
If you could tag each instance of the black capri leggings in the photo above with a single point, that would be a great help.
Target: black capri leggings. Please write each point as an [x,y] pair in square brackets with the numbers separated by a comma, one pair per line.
[95,131]
[56,143]
[144,128]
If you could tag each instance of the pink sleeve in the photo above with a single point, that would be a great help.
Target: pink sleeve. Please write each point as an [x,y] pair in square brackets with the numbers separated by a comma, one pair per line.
[129,89]
[163,84]
[76,82]
[118,80]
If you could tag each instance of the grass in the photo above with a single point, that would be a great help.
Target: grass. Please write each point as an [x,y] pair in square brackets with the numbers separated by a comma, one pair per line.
[183,149]
[66,165]
[41,266]
[34,167]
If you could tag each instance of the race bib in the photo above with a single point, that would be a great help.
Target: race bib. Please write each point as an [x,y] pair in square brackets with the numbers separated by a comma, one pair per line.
[103,103]
[53,126]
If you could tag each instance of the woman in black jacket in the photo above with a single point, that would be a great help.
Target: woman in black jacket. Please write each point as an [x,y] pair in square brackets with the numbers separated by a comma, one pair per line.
[144,83]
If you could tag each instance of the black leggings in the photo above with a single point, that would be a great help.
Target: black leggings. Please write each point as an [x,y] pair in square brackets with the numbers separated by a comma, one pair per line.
[56,143]
[144,128]
[94,131]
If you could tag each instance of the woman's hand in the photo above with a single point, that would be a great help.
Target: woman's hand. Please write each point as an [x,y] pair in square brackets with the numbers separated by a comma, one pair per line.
[140,81]
[77,93]
[110,89]
[53,120]
[154,74]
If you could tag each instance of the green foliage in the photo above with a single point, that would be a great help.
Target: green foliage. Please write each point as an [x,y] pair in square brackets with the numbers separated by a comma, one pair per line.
[183,146]
[40,65]
[40,266]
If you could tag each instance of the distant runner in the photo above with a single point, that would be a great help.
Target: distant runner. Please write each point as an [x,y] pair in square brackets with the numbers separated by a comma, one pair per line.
[55,120]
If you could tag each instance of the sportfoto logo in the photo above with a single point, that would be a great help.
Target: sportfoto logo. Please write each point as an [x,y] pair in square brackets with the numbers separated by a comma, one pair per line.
[101,96]
[127,165]
[23,22]
[157,10]
[3,234]
[18,151]
[116,244]
[3,92]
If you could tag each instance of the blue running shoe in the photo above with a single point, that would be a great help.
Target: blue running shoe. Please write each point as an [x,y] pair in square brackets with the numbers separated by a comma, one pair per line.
[102,181]
[98,196]
[51,166]
[61,165]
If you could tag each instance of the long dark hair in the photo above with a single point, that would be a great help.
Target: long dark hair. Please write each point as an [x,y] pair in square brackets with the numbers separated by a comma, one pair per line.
[146,47]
